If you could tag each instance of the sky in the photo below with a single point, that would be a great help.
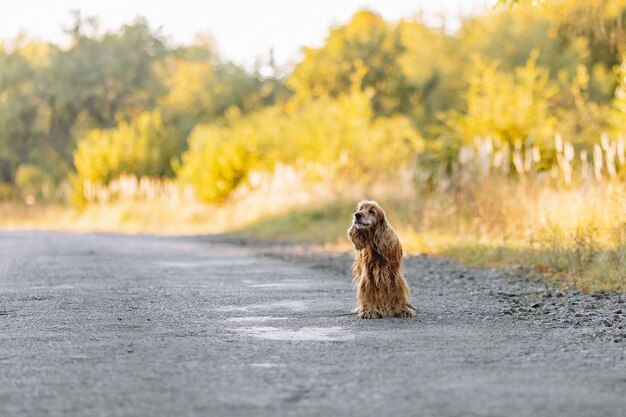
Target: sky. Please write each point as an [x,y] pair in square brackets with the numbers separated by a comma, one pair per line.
[243,30]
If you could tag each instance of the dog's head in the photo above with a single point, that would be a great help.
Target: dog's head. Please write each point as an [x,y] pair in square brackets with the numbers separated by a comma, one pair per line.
[368,215]
[370,229]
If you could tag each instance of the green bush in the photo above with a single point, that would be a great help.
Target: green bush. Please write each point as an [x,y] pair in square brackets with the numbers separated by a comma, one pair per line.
[215,164]
[141,148]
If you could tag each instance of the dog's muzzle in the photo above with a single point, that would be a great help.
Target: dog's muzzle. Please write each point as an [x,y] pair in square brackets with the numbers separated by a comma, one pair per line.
[358,221]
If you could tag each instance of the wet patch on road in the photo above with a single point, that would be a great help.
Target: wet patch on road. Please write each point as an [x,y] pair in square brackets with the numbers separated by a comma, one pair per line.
[333,333]
[278,305]
[254,319]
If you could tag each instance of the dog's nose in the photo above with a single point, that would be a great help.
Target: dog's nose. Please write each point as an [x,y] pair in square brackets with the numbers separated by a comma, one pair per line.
[358,214]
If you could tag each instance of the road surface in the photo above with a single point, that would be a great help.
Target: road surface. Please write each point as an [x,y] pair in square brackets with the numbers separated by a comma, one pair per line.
[112,325]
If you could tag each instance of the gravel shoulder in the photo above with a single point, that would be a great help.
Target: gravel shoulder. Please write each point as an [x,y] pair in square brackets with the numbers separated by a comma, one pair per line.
[113,325]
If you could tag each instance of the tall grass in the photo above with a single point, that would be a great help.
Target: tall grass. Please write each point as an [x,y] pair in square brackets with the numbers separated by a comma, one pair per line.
[561,213]
[131,205]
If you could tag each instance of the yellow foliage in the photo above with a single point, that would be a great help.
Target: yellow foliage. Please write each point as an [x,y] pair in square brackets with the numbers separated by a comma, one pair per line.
[618,114]
[141,148]
[507,106]
[37,53]
[187,87]
[215,164]
[364,53]
[327,137]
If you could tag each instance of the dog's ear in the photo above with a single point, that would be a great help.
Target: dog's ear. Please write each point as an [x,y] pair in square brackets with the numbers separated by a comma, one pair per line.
[386,242]
[357,237]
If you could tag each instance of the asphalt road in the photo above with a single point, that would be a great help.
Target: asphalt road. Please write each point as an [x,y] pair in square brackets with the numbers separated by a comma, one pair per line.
[110,325]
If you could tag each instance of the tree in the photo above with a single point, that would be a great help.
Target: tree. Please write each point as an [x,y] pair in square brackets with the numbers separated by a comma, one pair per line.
[364,53]
[511,107]
[601,21]
[20,128]
[433,66]
[201,87]
[100,80]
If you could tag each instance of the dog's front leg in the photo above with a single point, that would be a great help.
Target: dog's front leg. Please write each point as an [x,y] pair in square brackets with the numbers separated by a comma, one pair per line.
[365,308]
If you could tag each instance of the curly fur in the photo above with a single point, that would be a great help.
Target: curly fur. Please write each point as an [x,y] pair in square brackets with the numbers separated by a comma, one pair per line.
[381,289]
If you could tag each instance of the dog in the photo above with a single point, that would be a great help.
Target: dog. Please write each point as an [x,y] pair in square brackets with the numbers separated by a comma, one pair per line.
[381,288]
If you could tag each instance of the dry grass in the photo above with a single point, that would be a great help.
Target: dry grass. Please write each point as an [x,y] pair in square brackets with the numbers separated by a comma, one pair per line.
[130,205]
[572,236]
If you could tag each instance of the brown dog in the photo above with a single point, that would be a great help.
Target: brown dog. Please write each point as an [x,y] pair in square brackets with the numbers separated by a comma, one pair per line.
[381,289]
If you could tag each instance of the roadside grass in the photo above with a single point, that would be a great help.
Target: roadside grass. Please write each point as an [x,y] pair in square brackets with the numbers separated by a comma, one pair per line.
[575,261]
[20,216]
[583,252]
[325,225]
[605,270]
[321,225]
[130,217]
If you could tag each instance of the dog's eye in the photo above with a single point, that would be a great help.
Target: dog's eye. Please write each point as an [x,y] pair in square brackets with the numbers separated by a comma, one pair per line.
[372,212]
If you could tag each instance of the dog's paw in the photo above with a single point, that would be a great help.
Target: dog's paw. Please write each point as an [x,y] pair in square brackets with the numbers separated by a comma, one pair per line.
[369,315]
[407,312]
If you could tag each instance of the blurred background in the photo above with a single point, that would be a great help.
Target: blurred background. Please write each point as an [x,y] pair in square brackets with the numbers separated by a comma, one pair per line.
[490,131]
